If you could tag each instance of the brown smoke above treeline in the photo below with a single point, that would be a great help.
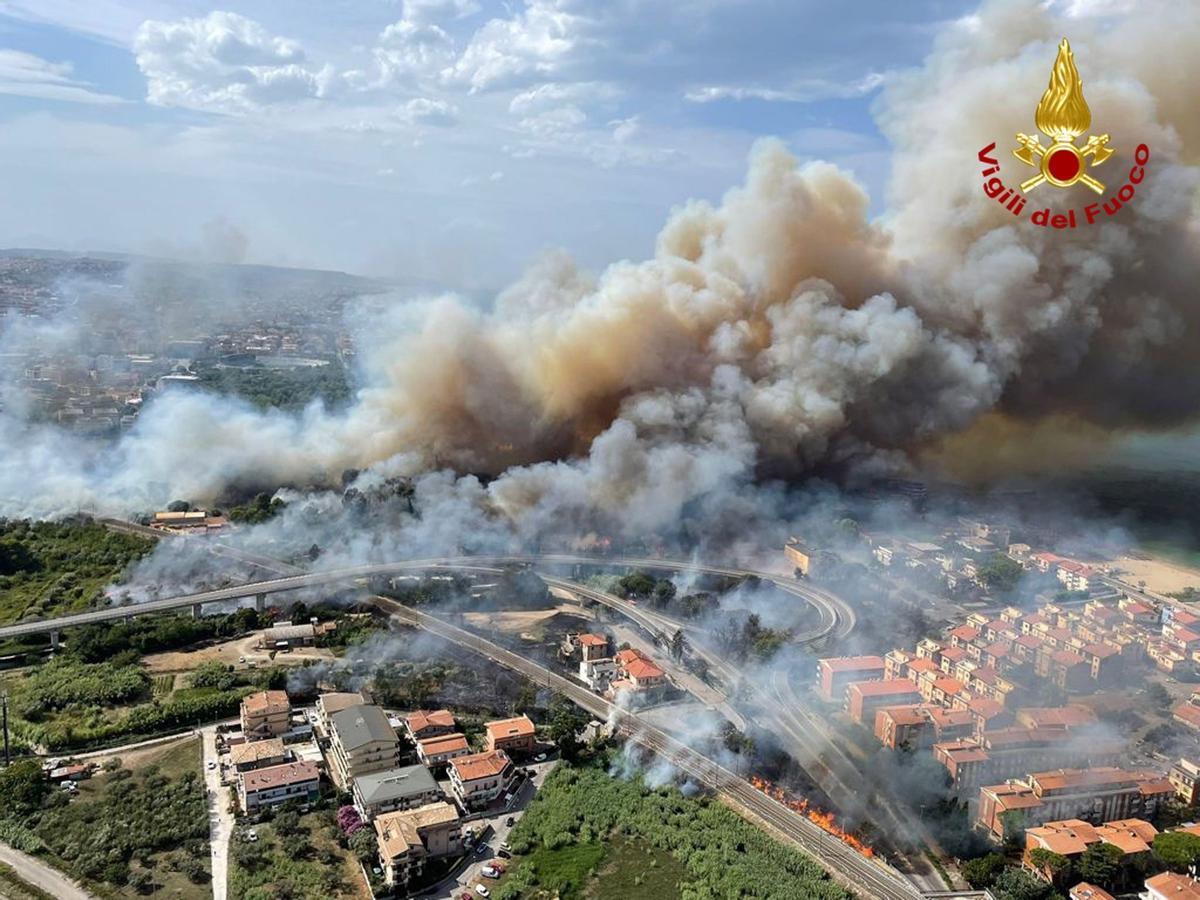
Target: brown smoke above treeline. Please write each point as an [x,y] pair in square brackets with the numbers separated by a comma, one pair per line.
[782,329]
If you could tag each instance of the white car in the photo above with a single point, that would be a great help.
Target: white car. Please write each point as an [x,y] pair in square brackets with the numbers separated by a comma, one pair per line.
[489,872]
[252,835]
[482,890]
[212,764]
[541,757]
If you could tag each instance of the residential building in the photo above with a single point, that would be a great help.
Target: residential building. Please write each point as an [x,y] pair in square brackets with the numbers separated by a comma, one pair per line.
[407,839]
[1004,753]
[336,701]
[266,714]
[1099,794]
[1169,886]
[902,726]
[278,784]
[597,673]
[515,735]
[1085,891]
[362,741]
[479,778]
[592,647]
[835,673]
[422,724]
[1185,776]
[1071,837]
[865,698]
[258,754]
[404,788]
[438,751]
[283,637]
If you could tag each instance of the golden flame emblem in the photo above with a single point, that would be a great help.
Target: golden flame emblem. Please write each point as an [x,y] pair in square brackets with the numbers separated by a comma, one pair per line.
[1062,115]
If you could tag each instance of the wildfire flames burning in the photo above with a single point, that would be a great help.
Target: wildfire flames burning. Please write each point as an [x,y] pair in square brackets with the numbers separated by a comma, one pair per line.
[818,817]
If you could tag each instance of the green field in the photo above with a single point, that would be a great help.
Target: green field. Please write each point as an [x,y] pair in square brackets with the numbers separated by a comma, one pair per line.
[590,836]
[127,833]
[53,568]
[305,863]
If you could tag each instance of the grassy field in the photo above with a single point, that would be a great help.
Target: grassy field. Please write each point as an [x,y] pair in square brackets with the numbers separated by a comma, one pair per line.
[141,829]
[13,887]
[630,869]
[52,568]
[590,836]
[307,864]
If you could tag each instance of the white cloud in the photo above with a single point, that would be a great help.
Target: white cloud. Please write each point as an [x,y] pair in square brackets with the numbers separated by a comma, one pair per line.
[424,111]
[550,95]
[532,44]
[26,75]
[427,11]
[411,50]
[800,92]
[224,63]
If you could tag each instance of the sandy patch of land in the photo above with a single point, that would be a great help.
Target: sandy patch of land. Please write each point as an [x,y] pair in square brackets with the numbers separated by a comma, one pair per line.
[519,621]
[1160,576]
[231,652]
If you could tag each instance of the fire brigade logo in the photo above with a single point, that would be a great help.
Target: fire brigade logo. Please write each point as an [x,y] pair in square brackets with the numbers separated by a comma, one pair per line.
[1063,115]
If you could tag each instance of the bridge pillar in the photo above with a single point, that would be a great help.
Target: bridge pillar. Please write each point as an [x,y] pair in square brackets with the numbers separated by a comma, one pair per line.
[197,609]
[54,639]
[260,602]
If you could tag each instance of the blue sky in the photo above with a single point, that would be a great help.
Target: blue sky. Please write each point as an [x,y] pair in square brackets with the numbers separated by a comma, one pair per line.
[450,140]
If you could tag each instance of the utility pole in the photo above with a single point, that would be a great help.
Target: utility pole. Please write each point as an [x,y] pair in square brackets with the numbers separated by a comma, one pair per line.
[4,707]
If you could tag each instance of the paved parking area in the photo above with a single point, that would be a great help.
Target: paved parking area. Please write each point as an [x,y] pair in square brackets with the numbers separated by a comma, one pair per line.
[495,829]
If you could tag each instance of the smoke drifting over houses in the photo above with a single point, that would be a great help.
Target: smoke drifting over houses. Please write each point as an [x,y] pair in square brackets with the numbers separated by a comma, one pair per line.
[776,332]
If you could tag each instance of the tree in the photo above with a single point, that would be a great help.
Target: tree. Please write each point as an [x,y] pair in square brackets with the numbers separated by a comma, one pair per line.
[982,872]
[678,643]
[1177,849]
[1017,884]
[141,881]
[1158,695]
[664,592]
[1099,863]
[22,785]
[1057,866]
[565,722]
[1000,573]
[363,845]
[287,822]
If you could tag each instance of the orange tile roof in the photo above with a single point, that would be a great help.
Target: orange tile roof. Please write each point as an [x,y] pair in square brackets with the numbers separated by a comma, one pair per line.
[266,701]
[438,718]
[593,640]
[1189,714]
[1068,837]
[446,743]
[904,715]
[624,657]
[883,688]
[1056,716]
[954,654]
[643,669]
[1131,835]
[1085,891]
[519,726]
[480,765]
[278,776]
[849,663]
[965,633]
[1177,887]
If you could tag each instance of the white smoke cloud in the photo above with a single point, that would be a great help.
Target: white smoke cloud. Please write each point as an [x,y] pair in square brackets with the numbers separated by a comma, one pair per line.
[773,332]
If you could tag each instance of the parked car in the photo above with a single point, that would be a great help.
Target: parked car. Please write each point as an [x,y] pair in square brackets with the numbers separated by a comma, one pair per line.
[481,849]
[212,764]
[541,757]
[505,847]
[503,854]
[489,872]
[482,891]
[510,821]
[252,835]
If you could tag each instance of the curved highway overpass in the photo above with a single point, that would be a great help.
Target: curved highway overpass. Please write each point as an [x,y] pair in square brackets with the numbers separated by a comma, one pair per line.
[836,617]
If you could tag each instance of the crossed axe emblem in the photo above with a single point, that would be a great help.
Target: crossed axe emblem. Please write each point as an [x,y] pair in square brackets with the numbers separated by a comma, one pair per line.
[1062,163]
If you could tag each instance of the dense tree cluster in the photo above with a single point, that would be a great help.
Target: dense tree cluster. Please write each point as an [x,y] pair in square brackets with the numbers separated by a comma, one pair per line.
[723,855]
[65,680]
[49,568]
[287,389]
[260,508]
[153,634]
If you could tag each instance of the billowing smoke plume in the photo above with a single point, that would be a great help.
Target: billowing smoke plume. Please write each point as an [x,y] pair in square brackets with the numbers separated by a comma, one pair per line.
[778,331]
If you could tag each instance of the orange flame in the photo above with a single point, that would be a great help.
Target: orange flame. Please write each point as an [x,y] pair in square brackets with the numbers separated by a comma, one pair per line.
[1062,113]
[819,817]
